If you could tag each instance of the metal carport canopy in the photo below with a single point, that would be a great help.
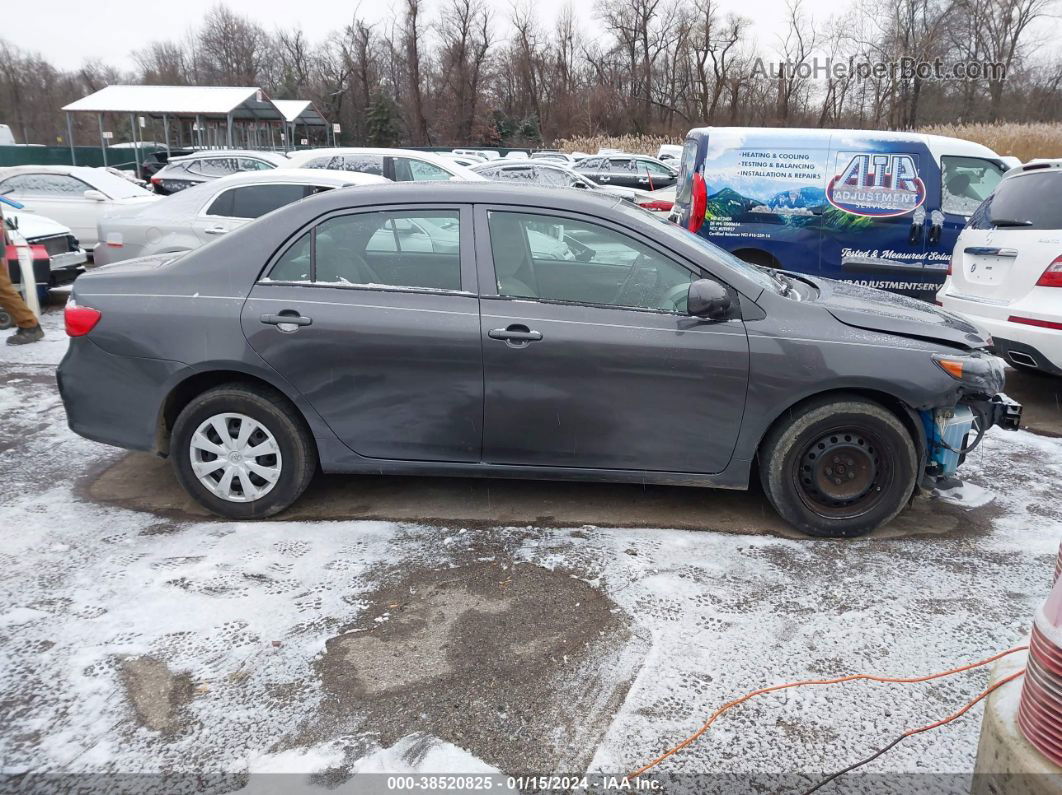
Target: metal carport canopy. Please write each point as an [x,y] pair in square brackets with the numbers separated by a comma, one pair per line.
[244,102]
[233,103]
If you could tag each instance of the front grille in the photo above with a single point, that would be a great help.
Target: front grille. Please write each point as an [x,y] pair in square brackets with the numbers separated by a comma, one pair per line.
[57,244]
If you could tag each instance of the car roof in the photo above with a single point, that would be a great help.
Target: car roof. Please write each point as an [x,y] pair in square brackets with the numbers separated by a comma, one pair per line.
[213,153]
[312,176]
[1034,166]
[429,157]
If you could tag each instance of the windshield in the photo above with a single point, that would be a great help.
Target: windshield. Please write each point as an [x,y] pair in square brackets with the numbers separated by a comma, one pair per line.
[1025,201]
[115,187]
[754,273]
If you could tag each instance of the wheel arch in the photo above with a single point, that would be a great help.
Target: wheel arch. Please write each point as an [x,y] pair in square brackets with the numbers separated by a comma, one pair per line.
[903,412]
[193,384]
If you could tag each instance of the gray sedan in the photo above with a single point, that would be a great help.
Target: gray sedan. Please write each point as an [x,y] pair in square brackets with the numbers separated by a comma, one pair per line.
[197,215]
[314,338]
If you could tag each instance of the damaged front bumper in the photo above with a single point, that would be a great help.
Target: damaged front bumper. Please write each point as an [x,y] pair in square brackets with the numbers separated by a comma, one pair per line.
[948,431]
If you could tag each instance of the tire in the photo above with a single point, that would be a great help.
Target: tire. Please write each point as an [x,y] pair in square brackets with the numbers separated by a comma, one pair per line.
[287,455]
[841,438]
[6,321]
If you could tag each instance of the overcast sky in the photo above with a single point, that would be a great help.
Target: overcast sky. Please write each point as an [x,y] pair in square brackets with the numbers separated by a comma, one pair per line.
[68,32]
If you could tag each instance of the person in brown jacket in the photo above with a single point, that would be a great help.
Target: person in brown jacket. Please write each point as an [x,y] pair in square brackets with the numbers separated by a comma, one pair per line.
[29,328]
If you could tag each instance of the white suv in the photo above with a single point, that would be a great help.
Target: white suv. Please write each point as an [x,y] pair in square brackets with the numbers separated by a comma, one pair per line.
[1006,269]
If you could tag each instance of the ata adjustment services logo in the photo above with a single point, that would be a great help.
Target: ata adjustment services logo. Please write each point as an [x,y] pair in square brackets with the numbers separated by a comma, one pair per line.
[877,186]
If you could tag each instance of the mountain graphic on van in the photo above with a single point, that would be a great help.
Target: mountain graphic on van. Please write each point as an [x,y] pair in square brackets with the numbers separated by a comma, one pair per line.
[728,203]
[807,198]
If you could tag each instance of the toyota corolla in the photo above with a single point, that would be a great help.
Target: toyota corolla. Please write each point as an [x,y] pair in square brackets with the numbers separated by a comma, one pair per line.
[429,329]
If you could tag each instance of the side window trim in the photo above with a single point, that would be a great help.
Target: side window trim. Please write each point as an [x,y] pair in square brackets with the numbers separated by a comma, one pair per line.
[485,255]
[466,248]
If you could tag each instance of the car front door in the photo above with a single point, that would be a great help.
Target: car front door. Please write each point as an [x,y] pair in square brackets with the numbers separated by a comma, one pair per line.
[382,342]
[60,197]
[590,360]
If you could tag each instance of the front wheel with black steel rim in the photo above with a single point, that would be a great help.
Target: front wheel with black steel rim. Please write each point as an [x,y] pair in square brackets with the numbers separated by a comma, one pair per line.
[839,467]
[241,452]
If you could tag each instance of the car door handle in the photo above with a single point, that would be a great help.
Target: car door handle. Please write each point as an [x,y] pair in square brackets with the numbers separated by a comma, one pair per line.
[288,317]
[516,335]
[215,230]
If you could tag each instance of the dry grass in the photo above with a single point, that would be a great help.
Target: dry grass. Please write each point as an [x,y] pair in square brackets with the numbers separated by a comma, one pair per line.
[640,144]
[1024,141]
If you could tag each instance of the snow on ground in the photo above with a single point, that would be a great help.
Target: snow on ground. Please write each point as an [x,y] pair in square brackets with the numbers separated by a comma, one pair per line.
[239,614]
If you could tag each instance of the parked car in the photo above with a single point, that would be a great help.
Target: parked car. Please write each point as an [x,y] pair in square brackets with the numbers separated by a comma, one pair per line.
[881,209]
[58,258]
[74,196]
[627,171]
[669,153]
[7,138]
[556,157]
[184,172]
[397,165]
[197,215]
[556,175]
[153,162]
[463,160]
[1006,269]
[486,154]
[658,358]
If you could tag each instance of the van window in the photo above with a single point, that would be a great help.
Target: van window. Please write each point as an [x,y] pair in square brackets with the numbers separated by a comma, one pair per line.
[1034,198]
[687,164]
[966,182]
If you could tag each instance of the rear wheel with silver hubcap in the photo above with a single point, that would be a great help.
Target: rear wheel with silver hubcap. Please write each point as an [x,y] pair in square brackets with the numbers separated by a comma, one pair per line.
[242,451]
[235,457]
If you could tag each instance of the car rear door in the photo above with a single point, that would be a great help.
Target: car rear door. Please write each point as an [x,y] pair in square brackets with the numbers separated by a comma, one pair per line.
[234,207]
[585,366]
[60,197]
[384,343]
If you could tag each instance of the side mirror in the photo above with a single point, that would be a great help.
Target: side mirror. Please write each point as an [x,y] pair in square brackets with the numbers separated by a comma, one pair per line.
[95,195]
[709,299]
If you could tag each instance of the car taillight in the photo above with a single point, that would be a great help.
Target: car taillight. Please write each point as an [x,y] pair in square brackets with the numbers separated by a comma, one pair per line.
[951,265]
[698,203]
[1052,277]
[1032,321]
[656,204]
[80,320]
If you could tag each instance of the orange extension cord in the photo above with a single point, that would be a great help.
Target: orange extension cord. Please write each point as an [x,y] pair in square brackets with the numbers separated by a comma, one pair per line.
[850,678]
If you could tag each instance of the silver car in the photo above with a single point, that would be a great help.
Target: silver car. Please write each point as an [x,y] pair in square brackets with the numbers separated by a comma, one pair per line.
[558,175]
[195,216]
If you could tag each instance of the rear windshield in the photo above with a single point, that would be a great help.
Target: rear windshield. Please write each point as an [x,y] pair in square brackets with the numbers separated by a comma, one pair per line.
[1029,201]
[686,166]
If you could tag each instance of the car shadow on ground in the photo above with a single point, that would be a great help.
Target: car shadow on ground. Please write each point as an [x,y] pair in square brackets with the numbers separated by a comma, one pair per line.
[140,481]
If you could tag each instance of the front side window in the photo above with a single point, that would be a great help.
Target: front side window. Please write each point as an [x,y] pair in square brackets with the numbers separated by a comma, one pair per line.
[564,259]
[654,168]
[43,185]
[408,169]
[966,182]
[409,248]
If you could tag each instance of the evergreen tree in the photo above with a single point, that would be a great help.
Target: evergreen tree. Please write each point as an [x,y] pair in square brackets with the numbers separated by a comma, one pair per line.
[382,124]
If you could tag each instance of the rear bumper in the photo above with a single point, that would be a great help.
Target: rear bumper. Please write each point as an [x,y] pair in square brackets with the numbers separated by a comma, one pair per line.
[1042,344]
[113,399]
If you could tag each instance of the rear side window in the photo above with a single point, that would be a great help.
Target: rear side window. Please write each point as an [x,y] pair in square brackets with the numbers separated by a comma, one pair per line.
[253,201]
[363,164]
[411,249]
[1030,201]
[687,167]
